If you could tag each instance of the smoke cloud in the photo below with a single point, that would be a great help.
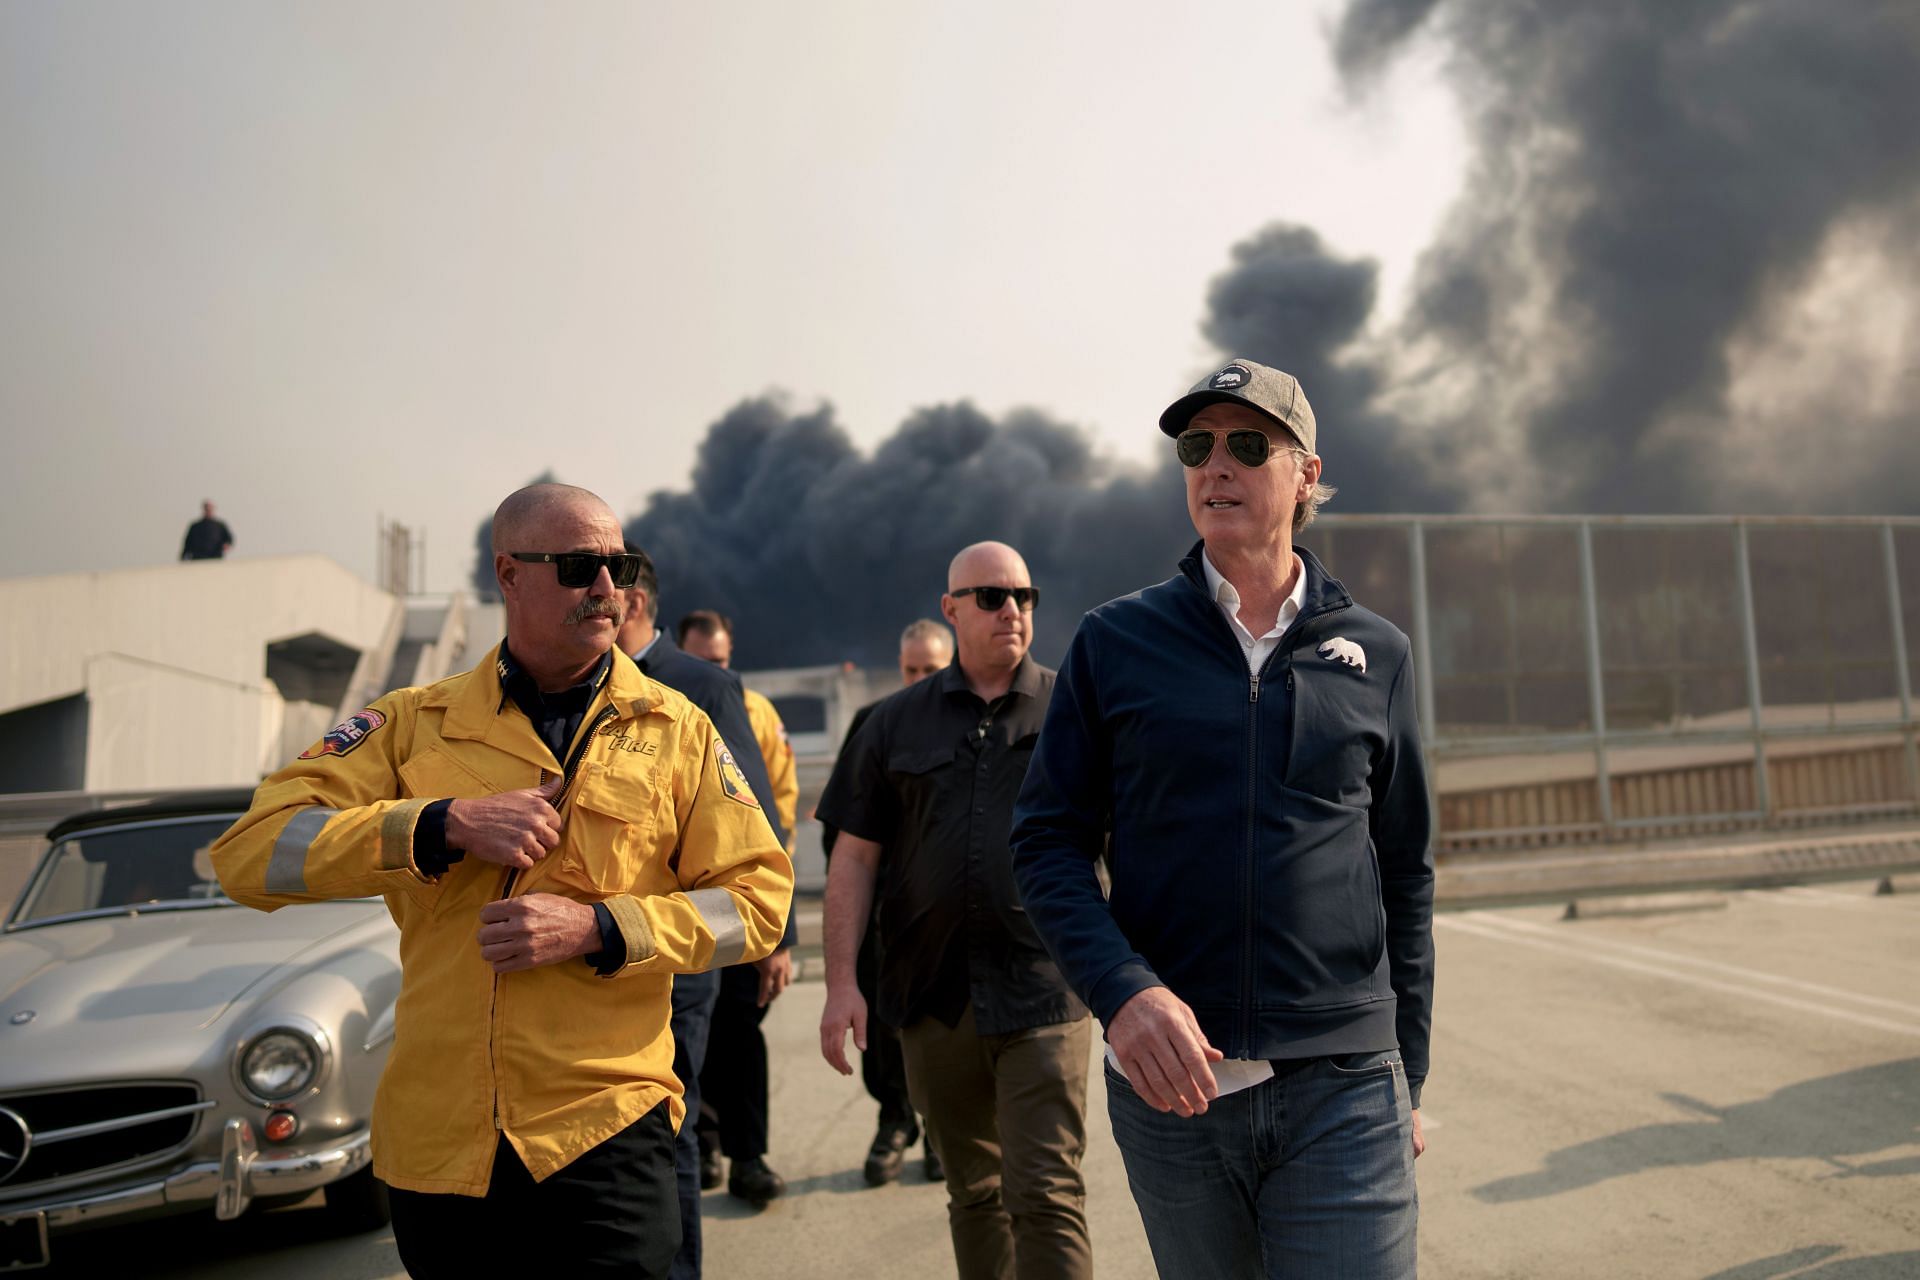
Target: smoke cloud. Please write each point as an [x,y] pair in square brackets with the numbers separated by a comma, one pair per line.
[820,554]
[1683,276]
[1680,274]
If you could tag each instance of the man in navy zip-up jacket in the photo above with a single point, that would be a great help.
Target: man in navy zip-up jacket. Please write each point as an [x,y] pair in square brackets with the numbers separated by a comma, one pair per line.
[1241,741]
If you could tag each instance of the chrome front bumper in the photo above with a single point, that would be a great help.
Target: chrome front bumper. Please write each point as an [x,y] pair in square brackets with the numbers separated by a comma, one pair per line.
[230,1184]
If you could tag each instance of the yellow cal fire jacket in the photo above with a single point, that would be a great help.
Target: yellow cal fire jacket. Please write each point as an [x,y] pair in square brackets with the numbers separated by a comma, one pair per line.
[658,823]
[777,751]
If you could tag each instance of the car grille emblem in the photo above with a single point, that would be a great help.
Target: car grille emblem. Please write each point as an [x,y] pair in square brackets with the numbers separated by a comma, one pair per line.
[15,1141]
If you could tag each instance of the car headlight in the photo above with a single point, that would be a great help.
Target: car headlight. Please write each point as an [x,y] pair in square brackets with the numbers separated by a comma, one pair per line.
[280,1064]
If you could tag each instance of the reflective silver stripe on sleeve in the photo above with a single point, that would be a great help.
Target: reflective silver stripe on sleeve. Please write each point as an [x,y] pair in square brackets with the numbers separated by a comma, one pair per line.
[287,870]
[722,918]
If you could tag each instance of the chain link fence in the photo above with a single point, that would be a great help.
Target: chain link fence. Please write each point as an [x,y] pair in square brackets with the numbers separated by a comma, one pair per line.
[1610,678]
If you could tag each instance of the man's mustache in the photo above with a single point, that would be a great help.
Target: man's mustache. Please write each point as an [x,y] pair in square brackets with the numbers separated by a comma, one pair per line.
[603,607]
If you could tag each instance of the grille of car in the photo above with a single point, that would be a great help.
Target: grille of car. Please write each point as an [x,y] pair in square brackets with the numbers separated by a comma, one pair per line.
[86,1130]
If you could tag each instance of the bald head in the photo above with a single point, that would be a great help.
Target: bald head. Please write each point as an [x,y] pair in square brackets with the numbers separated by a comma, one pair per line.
[527,514]
[988,564]
[991,641]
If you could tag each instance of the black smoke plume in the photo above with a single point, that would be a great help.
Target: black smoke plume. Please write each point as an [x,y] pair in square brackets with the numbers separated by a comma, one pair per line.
[1286,301]
[1673,280]
[820,554]
[1679,277]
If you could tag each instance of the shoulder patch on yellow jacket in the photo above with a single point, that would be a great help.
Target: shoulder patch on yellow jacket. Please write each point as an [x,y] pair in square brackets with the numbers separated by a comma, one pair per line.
[731,778]
[345,736]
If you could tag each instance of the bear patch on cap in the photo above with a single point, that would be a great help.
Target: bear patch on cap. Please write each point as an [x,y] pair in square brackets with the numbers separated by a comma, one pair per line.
[1231,378]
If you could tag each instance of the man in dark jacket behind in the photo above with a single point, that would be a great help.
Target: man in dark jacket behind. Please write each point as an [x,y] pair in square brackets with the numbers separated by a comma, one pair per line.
[717,692]
[1243,739]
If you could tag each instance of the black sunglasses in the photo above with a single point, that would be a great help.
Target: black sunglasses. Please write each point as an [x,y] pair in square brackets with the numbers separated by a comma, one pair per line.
[580,568]
[1249,448]
[991,598]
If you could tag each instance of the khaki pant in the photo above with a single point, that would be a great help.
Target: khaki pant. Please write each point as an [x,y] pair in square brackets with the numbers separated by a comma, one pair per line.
[1008,1115]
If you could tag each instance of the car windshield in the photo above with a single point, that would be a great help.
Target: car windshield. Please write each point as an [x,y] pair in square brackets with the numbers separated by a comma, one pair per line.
[156,865]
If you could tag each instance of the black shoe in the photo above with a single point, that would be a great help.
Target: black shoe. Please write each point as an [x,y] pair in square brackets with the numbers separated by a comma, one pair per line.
[753,1182]
[889,1151]
[932,1164]
[711,1174]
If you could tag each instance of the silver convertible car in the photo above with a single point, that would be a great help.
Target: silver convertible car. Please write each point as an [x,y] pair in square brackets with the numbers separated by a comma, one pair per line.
[163,1050]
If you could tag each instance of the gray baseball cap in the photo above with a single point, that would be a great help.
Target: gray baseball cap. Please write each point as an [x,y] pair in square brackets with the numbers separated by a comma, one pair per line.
[1277,395]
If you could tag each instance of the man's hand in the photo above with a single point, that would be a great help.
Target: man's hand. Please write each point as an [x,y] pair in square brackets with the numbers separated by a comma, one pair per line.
[1163,1052]
[776,971]
[1419,1138]
[846,1011]
[512,829]
[540,928]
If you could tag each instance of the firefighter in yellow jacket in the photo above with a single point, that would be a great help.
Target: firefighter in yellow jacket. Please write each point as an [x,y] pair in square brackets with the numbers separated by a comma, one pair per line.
[707,633]
[556,836]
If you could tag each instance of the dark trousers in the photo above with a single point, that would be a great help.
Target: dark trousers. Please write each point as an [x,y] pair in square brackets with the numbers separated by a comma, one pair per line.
[882,1069]
[733,1081]
[610,1212]
[693,999]
[1008,1115]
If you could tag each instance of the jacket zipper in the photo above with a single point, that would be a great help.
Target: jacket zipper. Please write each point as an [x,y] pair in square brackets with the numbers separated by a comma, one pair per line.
[1253,825]
[1253,734]
[567,771]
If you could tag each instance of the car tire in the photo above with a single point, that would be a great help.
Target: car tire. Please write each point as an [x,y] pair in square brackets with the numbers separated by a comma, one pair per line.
[358,1203]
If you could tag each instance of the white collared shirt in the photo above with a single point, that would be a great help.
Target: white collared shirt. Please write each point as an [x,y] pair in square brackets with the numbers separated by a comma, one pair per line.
[1257,649]
[1236,1074]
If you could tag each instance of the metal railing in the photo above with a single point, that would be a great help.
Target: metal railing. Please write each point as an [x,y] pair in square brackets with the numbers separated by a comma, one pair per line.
[1623,649]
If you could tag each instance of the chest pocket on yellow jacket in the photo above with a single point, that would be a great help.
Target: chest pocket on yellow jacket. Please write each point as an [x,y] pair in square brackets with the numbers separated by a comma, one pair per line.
[609,827]
[435,774]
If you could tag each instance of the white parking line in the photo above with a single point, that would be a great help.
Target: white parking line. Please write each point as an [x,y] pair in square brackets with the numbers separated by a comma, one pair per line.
[1700,962]
[1580,951]
[1801,896]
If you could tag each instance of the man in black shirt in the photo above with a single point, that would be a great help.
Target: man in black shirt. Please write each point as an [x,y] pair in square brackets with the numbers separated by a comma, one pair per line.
[207,538]
[996,1046]
[926,648]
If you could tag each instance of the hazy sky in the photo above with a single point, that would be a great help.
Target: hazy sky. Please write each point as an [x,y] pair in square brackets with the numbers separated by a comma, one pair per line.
[324,261]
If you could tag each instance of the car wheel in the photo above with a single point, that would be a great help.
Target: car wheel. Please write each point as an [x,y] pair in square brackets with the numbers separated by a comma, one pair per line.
[358,1203]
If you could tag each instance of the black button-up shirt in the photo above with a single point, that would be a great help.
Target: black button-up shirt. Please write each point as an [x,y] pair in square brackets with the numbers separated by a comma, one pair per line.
[931,778]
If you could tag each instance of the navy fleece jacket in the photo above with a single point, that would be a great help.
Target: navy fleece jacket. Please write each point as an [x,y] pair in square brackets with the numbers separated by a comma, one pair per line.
[1268,832]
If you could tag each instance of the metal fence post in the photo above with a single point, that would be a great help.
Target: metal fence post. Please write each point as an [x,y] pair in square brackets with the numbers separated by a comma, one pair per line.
[1596,687]
[1902,680]
[1423,659]
[1743,573]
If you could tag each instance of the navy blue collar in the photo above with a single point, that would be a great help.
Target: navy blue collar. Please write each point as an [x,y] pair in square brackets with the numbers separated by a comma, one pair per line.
[1324,591]
[515,683]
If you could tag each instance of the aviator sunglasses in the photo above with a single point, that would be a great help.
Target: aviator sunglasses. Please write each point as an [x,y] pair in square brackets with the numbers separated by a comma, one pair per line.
[580,568]
[1249,448]
[991,598]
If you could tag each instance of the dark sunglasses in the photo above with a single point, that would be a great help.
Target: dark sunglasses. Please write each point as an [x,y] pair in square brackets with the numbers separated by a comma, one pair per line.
[580,568]
[1249,448]
[991,598]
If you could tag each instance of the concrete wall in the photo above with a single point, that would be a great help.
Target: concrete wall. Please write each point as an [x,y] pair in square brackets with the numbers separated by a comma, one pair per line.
[150,726]
[215,617]
[158,676]
[486,624]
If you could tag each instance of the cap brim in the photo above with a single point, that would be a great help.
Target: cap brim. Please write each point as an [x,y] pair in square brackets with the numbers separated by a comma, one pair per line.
[1180,413]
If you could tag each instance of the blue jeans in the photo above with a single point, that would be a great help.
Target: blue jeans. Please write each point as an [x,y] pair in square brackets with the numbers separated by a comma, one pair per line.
[694,995]
[1306,1175]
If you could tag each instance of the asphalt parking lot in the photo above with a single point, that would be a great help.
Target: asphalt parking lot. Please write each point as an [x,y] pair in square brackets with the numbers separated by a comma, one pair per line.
[1722,1086]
